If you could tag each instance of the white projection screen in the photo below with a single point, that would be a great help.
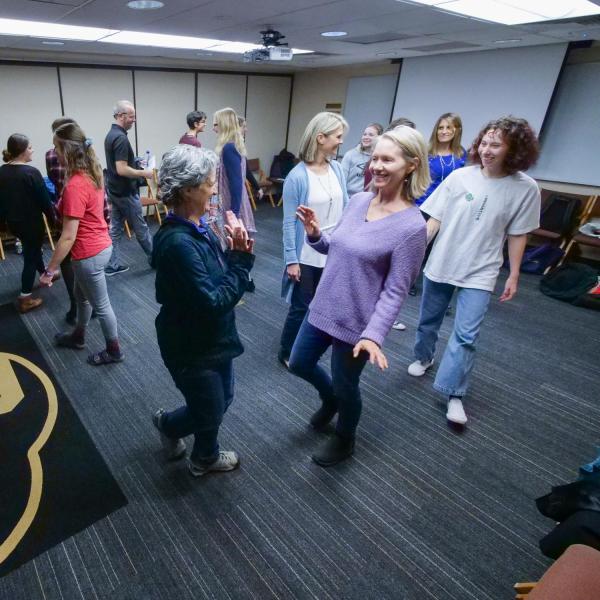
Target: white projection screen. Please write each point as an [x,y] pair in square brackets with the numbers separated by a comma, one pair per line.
[570,136]
[479,86]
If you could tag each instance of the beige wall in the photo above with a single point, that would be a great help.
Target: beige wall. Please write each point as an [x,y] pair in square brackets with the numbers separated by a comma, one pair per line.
[314,89]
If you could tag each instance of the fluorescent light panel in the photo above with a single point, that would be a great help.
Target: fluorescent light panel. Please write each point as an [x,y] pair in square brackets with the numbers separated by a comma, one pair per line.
[52,30]
[133,38]
[516,12]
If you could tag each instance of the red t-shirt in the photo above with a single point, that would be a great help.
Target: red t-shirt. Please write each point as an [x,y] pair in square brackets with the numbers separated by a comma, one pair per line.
[82,200]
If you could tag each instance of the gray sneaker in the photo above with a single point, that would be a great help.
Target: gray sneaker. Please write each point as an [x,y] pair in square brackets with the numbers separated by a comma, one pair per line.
[174,448]
[227,461]
[110,271]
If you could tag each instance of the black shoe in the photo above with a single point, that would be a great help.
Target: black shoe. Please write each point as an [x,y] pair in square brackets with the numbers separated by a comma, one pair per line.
[449,311]
[94,315]
[412,291]
[110,271]
[250,286]
[322,417]
[334,450]
[283,359]
[71,317]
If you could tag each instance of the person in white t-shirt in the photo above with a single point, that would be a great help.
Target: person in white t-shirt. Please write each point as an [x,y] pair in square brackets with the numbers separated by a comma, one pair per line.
[474,211]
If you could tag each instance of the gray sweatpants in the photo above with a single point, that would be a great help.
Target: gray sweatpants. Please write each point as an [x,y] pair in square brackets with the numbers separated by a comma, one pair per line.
[91,292]
[127,208]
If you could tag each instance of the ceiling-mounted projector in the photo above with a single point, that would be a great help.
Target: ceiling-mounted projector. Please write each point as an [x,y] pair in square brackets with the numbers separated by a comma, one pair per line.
[273,49]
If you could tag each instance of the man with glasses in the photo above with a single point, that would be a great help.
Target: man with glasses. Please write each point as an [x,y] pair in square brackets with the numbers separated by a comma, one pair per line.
[196,121]
[122,177]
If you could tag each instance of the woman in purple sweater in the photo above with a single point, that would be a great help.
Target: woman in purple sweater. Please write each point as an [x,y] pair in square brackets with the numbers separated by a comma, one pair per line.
[374,255]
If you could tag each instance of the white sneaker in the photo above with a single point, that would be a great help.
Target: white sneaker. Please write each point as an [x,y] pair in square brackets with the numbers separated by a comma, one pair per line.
[399,326]
[227,461]
[456,412]
[418,368]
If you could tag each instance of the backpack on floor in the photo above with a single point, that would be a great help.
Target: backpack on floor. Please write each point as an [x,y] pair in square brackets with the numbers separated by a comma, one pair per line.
[537,259]
[569,282]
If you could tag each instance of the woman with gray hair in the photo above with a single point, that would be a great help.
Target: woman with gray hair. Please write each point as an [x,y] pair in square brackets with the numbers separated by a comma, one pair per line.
[317,181]
[197,286]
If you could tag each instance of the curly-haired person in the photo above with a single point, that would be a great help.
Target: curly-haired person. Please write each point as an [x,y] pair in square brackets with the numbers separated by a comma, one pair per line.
[474,211]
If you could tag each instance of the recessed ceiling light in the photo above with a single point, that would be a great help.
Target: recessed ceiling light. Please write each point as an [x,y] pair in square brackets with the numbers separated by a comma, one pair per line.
[334,33]
[388,53]
[145,4]
[53,43]
[508,41]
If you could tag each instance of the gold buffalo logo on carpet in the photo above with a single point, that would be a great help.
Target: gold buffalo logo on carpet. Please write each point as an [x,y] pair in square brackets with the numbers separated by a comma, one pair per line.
[11,395]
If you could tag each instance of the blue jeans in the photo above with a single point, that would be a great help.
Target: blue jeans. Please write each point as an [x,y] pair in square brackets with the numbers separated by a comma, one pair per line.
[127,208]
[452,377]
[340,390]
[208,392]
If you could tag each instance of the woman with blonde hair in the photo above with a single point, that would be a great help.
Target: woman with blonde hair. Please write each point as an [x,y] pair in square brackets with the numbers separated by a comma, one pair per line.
[85,235]
[317,181]
[231,150]
[445,151]
[374,255]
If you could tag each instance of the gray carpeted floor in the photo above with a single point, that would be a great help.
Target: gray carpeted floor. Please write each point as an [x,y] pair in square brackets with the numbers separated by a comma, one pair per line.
[419,512]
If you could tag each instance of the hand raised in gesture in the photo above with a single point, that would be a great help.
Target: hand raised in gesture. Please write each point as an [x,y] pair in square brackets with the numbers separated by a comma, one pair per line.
[237,236]
[310,221]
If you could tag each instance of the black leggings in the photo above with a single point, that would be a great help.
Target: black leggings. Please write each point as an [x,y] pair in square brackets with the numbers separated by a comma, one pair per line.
[33,259]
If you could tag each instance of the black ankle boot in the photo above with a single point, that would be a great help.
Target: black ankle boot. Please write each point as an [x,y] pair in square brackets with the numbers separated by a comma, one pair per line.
[321,418]
[334,450]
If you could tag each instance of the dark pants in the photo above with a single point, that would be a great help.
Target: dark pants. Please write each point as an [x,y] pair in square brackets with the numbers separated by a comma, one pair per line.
[341,388]
[302,296]
[66,269]
[208,394]
[33,259]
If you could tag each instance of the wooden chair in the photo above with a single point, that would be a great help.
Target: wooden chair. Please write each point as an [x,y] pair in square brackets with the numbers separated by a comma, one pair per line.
[580,238]
[150,200]
[574,576]
[48,233]
[265,184]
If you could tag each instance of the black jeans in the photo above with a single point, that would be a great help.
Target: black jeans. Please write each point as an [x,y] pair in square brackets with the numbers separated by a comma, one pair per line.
[33,259]
[302,295]
[208,392]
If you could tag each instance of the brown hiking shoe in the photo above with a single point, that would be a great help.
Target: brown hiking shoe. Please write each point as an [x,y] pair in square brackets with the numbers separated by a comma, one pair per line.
[27,303]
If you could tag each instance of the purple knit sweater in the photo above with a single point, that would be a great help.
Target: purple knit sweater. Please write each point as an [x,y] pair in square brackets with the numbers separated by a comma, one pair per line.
[370,267]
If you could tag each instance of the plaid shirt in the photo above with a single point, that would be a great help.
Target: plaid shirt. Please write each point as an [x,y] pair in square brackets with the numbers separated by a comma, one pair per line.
[56,172]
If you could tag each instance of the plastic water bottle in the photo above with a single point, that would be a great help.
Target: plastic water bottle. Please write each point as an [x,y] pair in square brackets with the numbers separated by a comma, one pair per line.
[147,159]
[18,246]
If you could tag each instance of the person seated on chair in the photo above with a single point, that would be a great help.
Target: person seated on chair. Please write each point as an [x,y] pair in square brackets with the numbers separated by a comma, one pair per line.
[24,200]
[196,121]
[195,327]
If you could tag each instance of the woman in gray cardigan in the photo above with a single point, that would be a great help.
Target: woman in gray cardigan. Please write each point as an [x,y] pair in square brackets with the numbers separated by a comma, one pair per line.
[317,181]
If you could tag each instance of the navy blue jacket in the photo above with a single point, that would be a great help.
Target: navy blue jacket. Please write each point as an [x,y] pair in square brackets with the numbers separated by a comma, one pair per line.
[198,286]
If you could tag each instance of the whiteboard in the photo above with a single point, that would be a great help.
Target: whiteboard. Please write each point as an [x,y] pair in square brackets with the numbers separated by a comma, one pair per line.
[368,100]
[571,133]
[479,86]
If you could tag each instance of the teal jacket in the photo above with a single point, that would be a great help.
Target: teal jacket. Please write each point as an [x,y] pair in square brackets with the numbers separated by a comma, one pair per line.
[295,193]
[198,286]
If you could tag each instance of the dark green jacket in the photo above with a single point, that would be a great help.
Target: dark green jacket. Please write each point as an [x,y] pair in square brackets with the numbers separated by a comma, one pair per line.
[198,286]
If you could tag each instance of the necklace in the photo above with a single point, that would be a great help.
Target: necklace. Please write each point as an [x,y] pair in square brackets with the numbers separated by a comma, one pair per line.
[443,164]
[328,190]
